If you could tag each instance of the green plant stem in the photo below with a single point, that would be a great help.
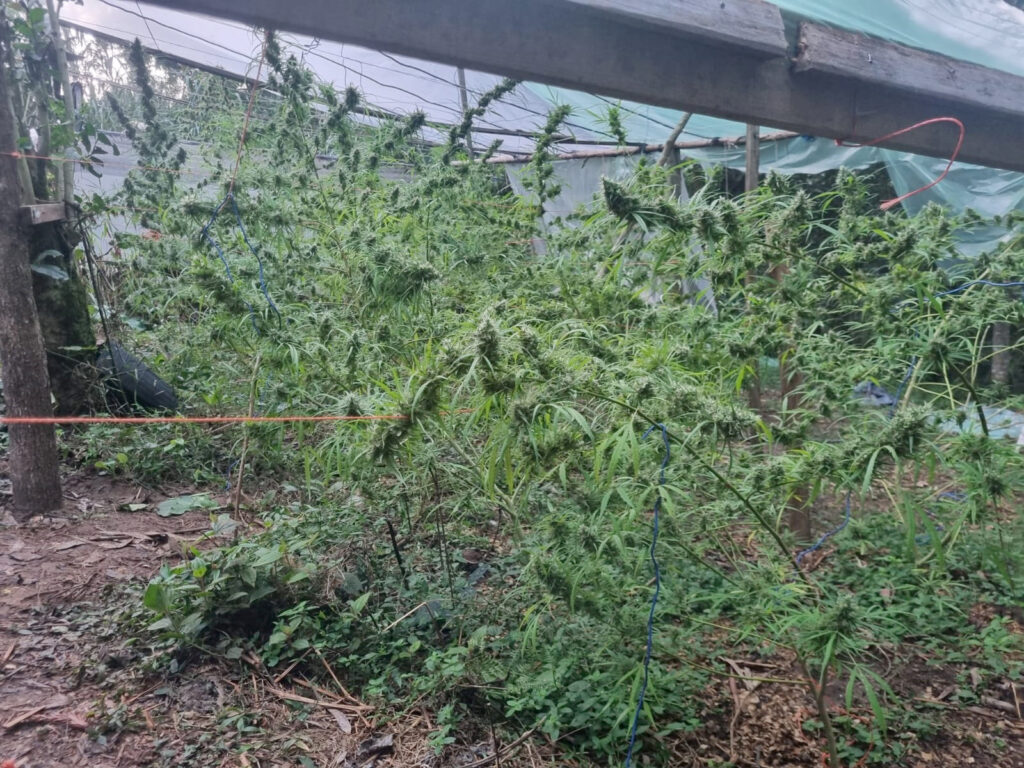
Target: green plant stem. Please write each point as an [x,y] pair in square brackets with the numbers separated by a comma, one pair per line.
[977,401]
[817,690]
[245,440]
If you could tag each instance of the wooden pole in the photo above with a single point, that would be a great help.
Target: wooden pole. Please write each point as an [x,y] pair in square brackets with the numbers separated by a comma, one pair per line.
[725,59]
[798,515]
[750,183]
[68,191]
[753,158]
[34,466]
[1000,355]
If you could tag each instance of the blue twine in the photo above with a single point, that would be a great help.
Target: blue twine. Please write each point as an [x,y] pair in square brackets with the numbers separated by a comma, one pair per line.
[899,392]
[657,590]
[227,475]
[965,286]
[245,237]
[826,536]
[227,267]
[955,496]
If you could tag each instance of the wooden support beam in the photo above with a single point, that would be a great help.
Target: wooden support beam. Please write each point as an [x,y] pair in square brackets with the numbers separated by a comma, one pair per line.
[42,213]
[753,25]
[637,54]
[850,55]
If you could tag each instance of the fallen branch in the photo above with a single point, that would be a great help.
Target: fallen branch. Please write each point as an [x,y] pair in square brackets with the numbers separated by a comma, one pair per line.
[337,682]
[19,719]
[289,668]
[504,751]
[1005,706]
[326,704]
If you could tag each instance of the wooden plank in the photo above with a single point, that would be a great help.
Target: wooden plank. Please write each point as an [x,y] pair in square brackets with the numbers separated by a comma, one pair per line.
[42,213]
[753,25]
[869,60]
[564,43]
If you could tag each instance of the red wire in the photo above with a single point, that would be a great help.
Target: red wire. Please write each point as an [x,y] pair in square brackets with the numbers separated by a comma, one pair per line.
[931,121]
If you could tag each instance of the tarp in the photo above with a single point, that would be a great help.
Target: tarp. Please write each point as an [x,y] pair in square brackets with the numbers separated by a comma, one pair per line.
[987,32]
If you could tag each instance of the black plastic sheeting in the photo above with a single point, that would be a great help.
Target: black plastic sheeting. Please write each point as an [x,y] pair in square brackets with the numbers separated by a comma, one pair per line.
[131,381]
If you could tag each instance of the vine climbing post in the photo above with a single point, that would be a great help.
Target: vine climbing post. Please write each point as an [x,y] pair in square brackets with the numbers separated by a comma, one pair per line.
[34,466]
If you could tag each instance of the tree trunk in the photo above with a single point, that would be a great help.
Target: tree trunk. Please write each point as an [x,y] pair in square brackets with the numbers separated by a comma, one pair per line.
[34,467]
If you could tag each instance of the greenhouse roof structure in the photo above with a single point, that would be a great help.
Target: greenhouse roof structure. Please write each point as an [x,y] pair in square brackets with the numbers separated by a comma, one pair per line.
[984,32]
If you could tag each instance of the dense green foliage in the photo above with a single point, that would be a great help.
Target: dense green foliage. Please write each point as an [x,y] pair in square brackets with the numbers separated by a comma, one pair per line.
[489,551]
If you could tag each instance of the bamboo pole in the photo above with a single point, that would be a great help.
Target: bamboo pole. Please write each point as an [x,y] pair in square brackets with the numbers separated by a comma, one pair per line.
[68,191]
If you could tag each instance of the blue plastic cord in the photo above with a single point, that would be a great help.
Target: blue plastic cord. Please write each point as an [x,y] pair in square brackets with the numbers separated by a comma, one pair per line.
[206,234]
[657,590]
[227,475]
[227,267]
[245,237]
[825,537]
[965,286]
[899,392]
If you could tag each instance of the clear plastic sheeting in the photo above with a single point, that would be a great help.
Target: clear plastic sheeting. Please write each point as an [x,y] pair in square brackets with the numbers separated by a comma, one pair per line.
[986,32]
[395,84]
[990,193]
[580,182]
[1002,423]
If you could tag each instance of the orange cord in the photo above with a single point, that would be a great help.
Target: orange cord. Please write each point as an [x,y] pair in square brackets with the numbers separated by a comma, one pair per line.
[932,121]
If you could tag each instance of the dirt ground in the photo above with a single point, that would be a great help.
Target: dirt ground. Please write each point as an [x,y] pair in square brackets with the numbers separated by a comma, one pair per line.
[74,691]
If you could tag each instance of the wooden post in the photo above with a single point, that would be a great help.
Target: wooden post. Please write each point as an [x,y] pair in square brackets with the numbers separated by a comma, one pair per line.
[753,157]
[798,517]
[464,98]
[34,466]
[1000,354]
[751,182]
